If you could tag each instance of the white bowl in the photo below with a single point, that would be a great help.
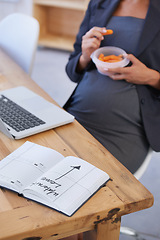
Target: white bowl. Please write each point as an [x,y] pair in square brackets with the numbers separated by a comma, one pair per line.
[109,50]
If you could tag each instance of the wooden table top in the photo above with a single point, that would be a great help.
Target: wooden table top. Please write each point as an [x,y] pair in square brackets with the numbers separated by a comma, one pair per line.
[24,219]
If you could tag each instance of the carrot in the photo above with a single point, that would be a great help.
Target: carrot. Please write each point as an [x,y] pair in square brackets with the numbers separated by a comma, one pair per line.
[101,55]
[110,58]
[108,32]
[112,61]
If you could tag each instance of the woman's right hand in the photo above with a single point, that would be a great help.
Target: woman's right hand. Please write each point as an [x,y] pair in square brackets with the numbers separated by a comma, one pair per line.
[90,42]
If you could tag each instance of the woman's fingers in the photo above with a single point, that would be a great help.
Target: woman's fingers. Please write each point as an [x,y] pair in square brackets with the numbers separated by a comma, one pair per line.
[117,73]
[132,58]
[91,41]
[96,32]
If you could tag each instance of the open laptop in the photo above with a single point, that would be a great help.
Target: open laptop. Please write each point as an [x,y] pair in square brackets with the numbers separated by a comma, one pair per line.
[32,115]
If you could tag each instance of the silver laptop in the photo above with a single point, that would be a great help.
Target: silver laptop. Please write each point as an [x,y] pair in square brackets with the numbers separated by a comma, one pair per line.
[24,113]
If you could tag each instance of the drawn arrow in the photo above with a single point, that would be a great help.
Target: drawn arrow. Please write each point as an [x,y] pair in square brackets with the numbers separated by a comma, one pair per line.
[73,167]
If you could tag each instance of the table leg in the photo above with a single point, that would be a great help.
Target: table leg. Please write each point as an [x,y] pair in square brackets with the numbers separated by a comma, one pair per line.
[108,230]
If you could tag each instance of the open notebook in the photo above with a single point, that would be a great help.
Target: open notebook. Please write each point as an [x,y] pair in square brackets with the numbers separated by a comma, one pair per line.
[24,113]
[44,175]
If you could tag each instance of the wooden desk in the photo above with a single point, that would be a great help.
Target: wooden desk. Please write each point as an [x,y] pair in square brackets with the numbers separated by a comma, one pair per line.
[27,220]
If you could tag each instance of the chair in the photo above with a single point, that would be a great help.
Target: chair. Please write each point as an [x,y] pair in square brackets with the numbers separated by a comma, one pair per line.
[138,174]
[18,37]
[141,170]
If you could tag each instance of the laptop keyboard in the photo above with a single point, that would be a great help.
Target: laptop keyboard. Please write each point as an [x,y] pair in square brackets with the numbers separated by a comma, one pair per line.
[17,117]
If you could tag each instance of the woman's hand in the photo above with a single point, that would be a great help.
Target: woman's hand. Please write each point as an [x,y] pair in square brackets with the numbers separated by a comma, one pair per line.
[137,73]
[90,42]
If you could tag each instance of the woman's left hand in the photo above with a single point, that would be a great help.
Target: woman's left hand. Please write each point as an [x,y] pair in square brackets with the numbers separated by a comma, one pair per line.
[137,73]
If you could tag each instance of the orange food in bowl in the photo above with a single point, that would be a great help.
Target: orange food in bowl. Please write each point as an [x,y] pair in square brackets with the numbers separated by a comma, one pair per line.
[110,58]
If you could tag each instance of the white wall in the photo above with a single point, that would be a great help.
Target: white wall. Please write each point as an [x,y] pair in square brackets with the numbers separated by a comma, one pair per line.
[10,6]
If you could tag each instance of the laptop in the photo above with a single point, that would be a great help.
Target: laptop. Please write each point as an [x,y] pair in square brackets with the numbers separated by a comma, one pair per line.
[24,113]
